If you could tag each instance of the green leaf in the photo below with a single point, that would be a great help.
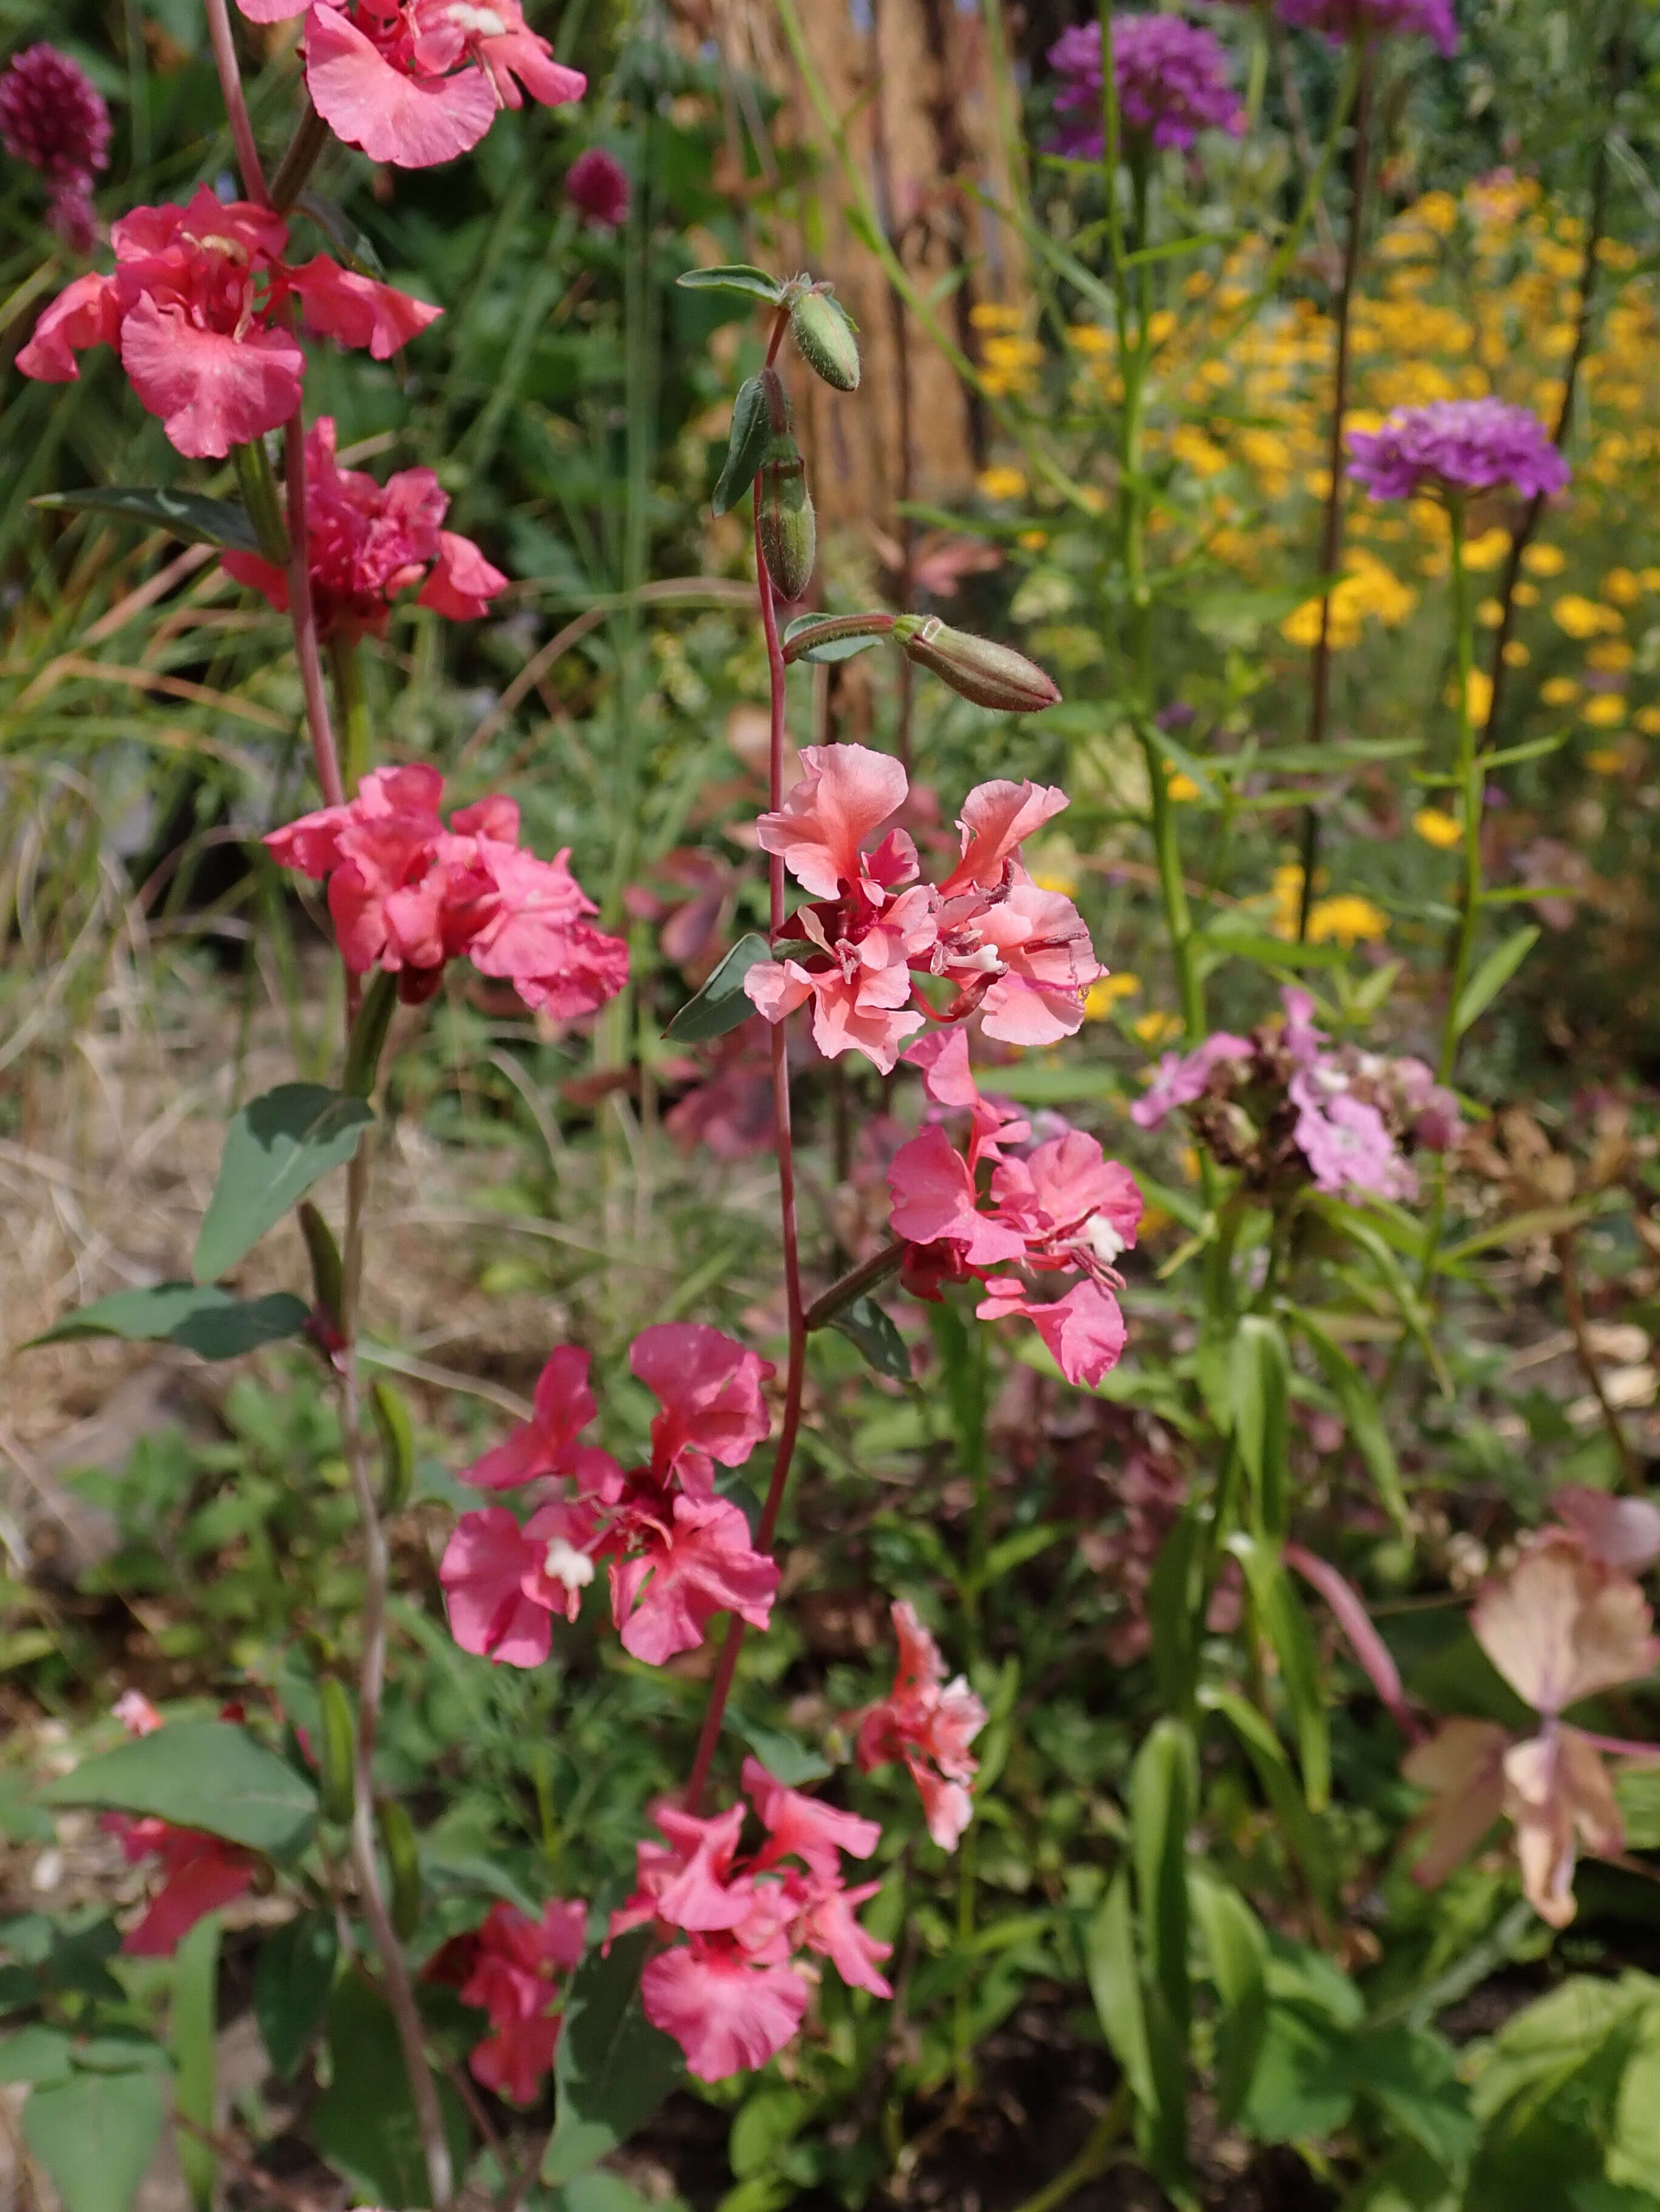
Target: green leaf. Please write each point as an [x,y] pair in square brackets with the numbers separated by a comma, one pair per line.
[786,1759]
[1413,2072]
[1259,1381]
[1491,977]
[1300,2090]
[1278,1786]
[721,1005]
[1012,1552]
[350,244]
[768,2120]
[199,1317]
[184,514]
[751,429]
[871,1328]
[1274,951]
[1171,1599]
[1362,1416]
[1163,1792]
[291,1985]
[36,2053]
[199,1774]
[194,2025]
[1280,1614]
[612,2068]
[95,2135]
[1115,1982]
[733,276]
[833,649]
[365,2123]
[276,1147]
[1238,1951]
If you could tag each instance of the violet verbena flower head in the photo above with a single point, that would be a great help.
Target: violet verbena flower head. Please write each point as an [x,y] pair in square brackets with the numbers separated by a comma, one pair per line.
[597,186]
[53,116]
[1457,445]
[1361,19]
[1172,79]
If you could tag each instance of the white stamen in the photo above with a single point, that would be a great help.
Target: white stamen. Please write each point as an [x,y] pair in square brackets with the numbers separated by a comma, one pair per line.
[1103,1239]
[480,22]
[563,1563]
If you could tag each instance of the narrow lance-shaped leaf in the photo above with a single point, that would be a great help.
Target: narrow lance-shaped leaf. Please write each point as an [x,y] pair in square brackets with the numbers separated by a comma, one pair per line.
[721,1004]
[1115,1983]
[872,1329]
[733,276]
[1237,1950]
[186,514]
[1162,1796]
[611,2068]
[275,1148]
[198,1774]
[1267,1756]
[1260,1381]
[1491,977]
[1280,1616]
[194,2026]
[746,448]
[200,1317]
[1362,1417]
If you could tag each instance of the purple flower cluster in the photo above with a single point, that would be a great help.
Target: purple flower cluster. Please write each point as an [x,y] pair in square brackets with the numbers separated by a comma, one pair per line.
[1362,19]
[1172,76]
[1466,445]
[1281,1108]
[53,116]
[597,185]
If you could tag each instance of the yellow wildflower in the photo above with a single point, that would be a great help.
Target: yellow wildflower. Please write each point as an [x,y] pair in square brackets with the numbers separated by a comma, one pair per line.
[1582,618]
[1346,919]
[1032,541]
[1011,365]
[987,315]
[1201,454]
[1090,338]
[1002,482]
[1369,588]
[1559,690]
[1490,614]
[1544,559]
[1056,879]
[1437,829]
[1605,760]
[1438,211]
[1287,899]
[1607,711]
[1487,550]
[1647,720]
[1620,585]
[1478,695]
[1103,996]
[1154,1028]
[1188,1160]
[1609,652]
[1526,594]
[1649,579]
[1515,654]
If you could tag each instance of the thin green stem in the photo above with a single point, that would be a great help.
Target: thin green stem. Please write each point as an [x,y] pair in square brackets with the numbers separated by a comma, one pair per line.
[1100,2148]
[352,704]
[260,497]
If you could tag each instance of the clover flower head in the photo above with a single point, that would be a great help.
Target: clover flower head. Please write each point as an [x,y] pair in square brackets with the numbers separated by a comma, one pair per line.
[1364,19]
[1172,76]
[53,116]
[597,185]
[1457,445]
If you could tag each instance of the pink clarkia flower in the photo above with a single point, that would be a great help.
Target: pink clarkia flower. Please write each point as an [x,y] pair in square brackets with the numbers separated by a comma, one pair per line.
[135,1713]
[194,308]
[200,1873]
[735,1991]
[371,541]
[407,895]
[676,1553]
[509,1967]
[1019,956]
[929,1723]
[1560,1628]
[419,81]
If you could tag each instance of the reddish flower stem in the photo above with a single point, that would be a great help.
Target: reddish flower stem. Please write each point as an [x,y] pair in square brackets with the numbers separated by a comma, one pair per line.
[236,108]
[795,1374]
[303,616]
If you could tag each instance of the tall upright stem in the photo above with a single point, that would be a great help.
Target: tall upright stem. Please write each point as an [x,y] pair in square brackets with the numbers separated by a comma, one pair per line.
[302,615]
[795,1372]
[236,107]
[1331,529]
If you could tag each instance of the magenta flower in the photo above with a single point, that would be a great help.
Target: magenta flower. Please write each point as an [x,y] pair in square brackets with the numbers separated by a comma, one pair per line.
[417,82]
[370,542]
[1020,957]
[1180,1078]
[1172,76]
[735,1992]
[508,1968]
[676,1553]
[1456,446]
[193,308]
[929,1723]
[407,895]
[597,186]
[53,116]
[1367,19]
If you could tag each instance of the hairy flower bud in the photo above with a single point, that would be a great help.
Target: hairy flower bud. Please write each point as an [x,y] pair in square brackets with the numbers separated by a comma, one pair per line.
[823,334]
[991,675]
[789,534]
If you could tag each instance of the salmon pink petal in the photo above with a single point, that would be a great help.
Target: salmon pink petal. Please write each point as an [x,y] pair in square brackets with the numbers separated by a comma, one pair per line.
[594,968]
[312,843]
[996,818]
[775,988]
[1560,1627]
[947,1807]
[211,390]
[1557,1792]
[518,52]
[540,1446]
[463,583]
[482,1571]
[845,792]
[689,1885]
[1462,1765]
[271,11]
[1084,1331]
[803,1827]
[728,2016]
[1623,1533]
[515,2060]
[827,1926]
[868,1014]
[934,1198]
[358,310]
[412,122]
[85,313]
[197,1884]
[262,576]
[663,1599]
[710,1388]
[942,1059]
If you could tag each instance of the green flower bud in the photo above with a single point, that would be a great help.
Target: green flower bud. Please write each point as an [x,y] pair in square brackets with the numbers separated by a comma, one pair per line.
[404,1861]
[789,534]
[823,334]
[335,1751]
[991,675]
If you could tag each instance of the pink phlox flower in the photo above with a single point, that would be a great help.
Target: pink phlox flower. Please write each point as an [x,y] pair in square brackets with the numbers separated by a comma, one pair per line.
[929,1723]
[710,1389]
[733,1993]
[1180,1077]
[1299,1036]
[369,542]
[1622,1532]
[1430,1108]
[543,1445]
[417,82]
[194,306]
[696,1561]
[1171,79]
[1364,19]
[1560,1627]
[1346,1140]
[407,895]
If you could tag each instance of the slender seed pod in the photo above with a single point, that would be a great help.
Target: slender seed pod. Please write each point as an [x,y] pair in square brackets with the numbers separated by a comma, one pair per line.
[335,1751]
[403,1862]
[327,1274]
[392,1419]
[991,675]
[789,533]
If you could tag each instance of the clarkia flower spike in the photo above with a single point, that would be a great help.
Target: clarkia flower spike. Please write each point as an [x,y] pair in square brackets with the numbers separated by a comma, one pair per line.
[192,307]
